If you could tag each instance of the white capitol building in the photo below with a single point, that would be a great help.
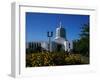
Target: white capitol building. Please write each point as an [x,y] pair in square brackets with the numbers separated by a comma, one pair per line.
[60,42]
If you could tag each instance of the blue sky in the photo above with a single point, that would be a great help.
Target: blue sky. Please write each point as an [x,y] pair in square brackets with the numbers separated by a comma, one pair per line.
[37,25]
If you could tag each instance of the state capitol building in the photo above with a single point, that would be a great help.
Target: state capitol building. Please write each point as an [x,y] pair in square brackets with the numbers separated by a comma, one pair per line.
[60,42]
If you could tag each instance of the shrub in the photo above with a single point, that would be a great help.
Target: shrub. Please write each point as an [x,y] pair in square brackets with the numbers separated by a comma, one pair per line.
[53,59]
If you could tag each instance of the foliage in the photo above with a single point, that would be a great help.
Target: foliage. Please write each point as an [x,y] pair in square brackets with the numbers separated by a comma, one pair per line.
[82,45]
[53,59]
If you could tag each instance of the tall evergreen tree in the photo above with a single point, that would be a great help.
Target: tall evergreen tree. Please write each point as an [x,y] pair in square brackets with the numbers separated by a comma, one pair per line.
[82,44]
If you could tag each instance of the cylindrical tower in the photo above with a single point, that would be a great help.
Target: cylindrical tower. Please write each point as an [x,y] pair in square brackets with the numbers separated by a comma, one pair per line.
[60,32]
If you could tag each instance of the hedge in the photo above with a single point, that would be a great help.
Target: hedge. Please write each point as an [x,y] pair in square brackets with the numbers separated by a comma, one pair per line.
[53,59]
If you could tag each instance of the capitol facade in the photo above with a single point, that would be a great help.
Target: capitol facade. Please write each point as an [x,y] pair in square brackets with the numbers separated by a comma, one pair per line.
[60,42]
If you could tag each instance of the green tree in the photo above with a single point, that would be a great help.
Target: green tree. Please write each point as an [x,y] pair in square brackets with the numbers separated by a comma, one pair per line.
[82,44]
